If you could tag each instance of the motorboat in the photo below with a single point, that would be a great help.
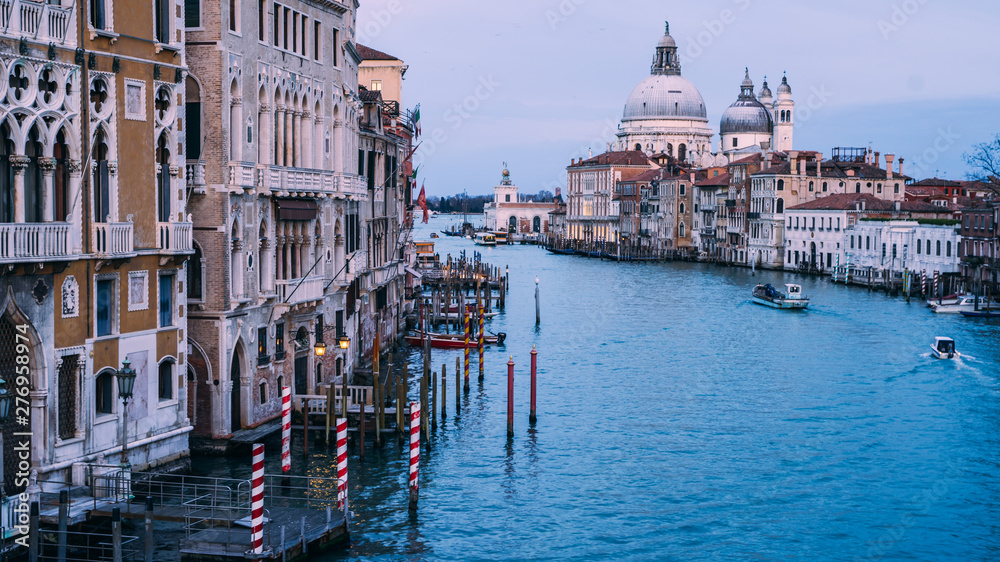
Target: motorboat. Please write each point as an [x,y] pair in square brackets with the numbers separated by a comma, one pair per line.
[790,298]
[486,239]
[453,341]
[950,299]
[965,303]
[501,237]
[944,348]
[982,313]
[562,251]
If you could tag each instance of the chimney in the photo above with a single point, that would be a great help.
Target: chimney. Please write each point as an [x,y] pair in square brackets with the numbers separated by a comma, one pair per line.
[878,160]
[819,164]
[802,167]
[889,159]
[692,178]
[863,204]
[590,152]
[793,157]
[868,156]
[558,191]
[899,206]
[900,165]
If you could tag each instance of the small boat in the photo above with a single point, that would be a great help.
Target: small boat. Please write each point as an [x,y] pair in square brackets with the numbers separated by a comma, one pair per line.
[944,348]
[450,233]
[966,303]
[453,341]
[434,235]
[790,298]
[562,252]
[485,239]
[950,299]
[984,313]
[501,237]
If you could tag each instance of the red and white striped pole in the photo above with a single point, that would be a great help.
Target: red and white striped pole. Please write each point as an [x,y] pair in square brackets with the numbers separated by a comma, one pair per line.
[923,282]
[257,501]
[286,429]
[481,337]
[414,454]
[342,464]
[936,281]
[466,350]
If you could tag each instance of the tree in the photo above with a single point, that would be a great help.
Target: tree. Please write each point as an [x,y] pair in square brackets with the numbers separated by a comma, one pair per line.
[985,163]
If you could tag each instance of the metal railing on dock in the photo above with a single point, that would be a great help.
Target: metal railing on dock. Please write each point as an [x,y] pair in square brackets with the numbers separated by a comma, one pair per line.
[85,547]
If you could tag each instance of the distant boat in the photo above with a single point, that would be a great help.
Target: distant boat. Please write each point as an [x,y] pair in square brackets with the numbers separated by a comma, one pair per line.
[985,313]
[453,341]
[965,303]
[791,298]
[501,237]
[485,239]
[562,252]
[434,235]
[944,348]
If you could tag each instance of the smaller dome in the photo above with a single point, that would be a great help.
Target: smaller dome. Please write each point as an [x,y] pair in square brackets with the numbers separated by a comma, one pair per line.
[667,41]
[747,82]
[765,92]
[784,88]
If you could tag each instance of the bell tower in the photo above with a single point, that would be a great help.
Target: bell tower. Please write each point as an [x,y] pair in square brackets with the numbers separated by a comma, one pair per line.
[666,61]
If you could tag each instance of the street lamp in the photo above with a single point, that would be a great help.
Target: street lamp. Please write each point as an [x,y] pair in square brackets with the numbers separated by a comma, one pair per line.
[126,384]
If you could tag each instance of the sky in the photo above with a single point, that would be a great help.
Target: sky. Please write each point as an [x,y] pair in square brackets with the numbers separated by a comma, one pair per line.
[535,83]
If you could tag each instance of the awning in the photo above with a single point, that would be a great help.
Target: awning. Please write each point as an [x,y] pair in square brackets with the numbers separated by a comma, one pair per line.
[416,274]
[296,209]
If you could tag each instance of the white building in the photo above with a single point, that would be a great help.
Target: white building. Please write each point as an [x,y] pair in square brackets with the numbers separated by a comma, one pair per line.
[896,245]
[508,212]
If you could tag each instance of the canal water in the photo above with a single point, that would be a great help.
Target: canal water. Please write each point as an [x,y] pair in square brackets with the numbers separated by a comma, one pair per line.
[677,420]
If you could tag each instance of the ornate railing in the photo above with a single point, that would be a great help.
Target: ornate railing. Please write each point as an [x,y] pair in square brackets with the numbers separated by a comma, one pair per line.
[47,23]
[32,242]
[174,237]
[311,288]
[241,175]
[194,175]
[113,238]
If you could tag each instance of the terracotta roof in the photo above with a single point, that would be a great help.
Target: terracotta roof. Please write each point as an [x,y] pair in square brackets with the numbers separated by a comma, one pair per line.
[369,96]
[776,157]
[849,201]
[836,170]
[367,53]
[924,190]
[648,176]
[721,180]
[936,182]
[627,158]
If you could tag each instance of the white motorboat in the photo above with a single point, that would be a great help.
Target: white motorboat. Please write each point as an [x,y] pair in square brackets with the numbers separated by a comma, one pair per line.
[965,303]
[944,348]
[790,298]
[485,239]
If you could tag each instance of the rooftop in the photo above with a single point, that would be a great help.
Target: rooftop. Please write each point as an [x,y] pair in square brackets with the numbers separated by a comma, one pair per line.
[850,201]
[367,53]
[626,158]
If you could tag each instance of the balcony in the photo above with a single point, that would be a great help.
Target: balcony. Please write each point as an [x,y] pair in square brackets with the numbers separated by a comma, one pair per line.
[174,237]
[194,176]
[114,240]
[41,22]
[34,242]
[354,186]
[310,289]
[753,216]
[241,176]
[730,203]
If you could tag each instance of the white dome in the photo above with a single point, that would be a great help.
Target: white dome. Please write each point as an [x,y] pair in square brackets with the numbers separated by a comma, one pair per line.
[669,96]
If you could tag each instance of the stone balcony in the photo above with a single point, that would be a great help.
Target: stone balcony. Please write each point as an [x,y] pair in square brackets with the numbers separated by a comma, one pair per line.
[175,237]
[38,21]
[297,182]
[194,176]
[34,242]
[297,291]
[113,240]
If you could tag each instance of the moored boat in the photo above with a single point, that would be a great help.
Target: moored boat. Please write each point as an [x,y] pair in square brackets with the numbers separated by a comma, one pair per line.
[453,341]
[485,239]
[983,313]
[562,251]
[944,348]
[966,303]
[791,298]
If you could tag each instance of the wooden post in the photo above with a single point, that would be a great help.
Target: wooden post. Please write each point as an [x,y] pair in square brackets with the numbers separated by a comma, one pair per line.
[538,306]
[361,430]
[482,346]
[466,350]
[343,391]
[510,397]
[534,374]
[458,388]
[148,544]
[400,399]
[424,390]
[116,532]
[444,391]
[330,405]
[63,521]
[434,401]
[305,427]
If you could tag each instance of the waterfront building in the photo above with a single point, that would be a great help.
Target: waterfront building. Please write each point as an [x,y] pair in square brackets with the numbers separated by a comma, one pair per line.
[750,124]
[980,230]
[815,231]
[711,197]
[294,214]
[590,187]
[887,247]
[516,214]
[94,236]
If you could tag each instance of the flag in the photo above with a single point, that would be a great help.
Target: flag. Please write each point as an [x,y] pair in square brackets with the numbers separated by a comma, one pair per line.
[422,202]
[414,176]
[416,119]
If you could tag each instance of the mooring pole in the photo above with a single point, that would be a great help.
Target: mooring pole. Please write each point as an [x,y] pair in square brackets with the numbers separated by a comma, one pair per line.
[534,373]
[444,391]
[329,410]
[458,387]
[63,523]
[434,401]
[538,306]
[148,550]
[116,532]
[414,454]
[510,397]
[466,351]
[361,431]
[481,343]
[305,427]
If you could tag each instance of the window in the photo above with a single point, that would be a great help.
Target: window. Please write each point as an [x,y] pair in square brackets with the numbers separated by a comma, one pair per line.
[895,189]
[680,230]
[234,16]
[883,251]
[104,386]
[262,358]
[161,20]
[781,185]
[811,186]
[376,86]
[194,275]
[105,307]
[928,247]
[263,392]
[682,211]
[868,242]
[852,242]
[97,14]
[166,300]
[261,14]
[893,251]
[682,190]
[948,250]
[279,341]
[824,186]
[879,188]
[507,198]
[813,227]
[857,188]
[781,206]
[276,22]
[336,47]
[317,41]
[735,142]
[166,380]
[939,247]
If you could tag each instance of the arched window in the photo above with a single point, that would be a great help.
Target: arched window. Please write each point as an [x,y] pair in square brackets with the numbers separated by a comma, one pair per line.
[102,178]
[857,187]
[682,211]
[33,185]
[195,280]
[104,388]
[824,186]
[638,146]
[939,247]
[166,380]
[948,250]
[780,208]
[60,151]
[512,224]
[262,389]
[919,247]
[235,123]
[670,149]
[6,175]
[868,242]
[536,225]
[192,119]
[163,179]
[810,186]
[680,230]
[682,151]
[781,185]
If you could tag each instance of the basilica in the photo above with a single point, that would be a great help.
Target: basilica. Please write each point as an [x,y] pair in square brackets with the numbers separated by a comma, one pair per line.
[666,114]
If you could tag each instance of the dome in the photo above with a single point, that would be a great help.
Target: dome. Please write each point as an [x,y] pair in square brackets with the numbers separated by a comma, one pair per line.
[765,92]
[667,41]
[665,96]
[746,116]
[784,88]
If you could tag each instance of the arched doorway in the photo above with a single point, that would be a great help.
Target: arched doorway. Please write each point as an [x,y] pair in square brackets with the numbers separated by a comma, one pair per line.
[16,329]
[236,398]
[512,224]
[536,225]
[812,254]
[301,362]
